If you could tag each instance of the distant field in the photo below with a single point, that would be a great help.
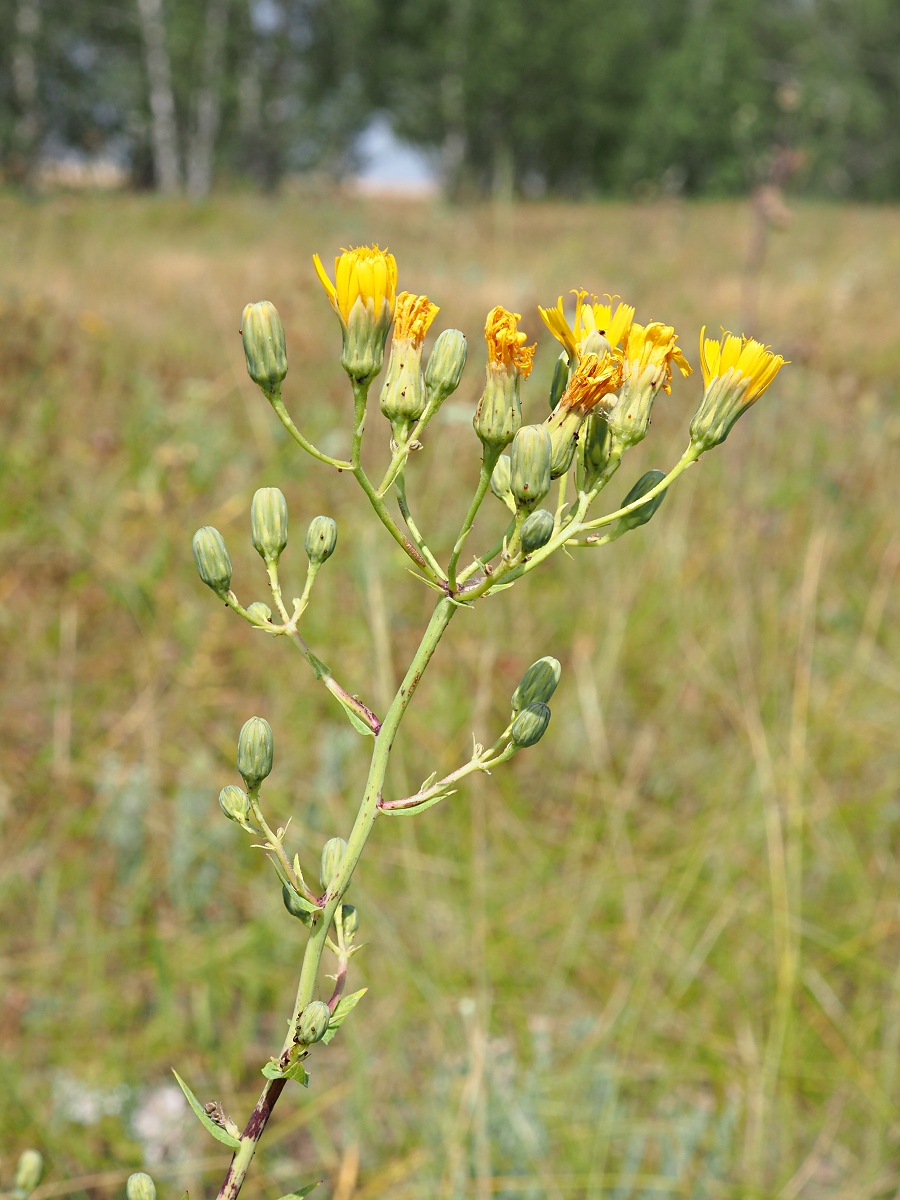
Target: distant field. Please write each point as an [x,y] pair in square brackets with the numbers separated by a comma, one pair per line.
[659,955]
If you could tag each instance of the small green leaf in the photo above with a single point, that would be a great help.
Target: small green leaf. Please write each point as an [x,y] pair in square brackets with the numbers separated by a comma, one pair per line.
[301,901]
[344,1007]
[301,1192]
[205,1119]
[295,1071]
[359,725]
[414,811]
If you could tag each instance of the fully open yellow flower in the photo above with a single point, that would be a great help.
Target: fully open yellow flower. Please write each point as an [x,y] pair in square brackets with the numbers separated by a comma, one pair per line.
[412,317]
[365,273]
[752,364]
[590,316]
[506,343]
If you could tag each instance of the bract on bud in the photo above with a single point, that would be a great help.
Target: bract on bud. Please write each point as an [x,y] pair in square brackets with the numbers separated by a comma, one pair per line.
[538,683]
[349,919]
[290,898]
[264,347]
[260,612]
[321,539]
[332,856]
[362,295]
[500,477]
[256,751]
[445,366]
[537,530]
[403,396]
[640,516]
[560,380]
[212,559]
[29,1170]
[235,804]
[529,458]
[530,725]
[499,413]
[269,523]
[594,446]
[140,1187]
[314,1022]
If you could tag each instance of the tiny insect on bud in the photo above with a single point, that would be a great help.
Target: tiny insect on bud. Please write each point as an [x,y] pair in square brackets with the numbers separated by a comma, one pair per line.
[313,1022]
[445,366]
[530,725]
[212,559]
[264,347]
[290,898]
[140,1187]
[256,750]
[595,343]
[537,530]
[321,539]
[260,612]
[269,523]
[530,464]
[538,683]
[235,804]
[332,856]
[349,919]
[29,1170]
[640,516]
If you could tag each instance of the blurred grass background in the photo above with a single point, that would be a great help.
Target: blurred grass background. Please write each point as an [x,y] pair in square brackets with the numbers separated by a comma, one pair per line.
[659,954]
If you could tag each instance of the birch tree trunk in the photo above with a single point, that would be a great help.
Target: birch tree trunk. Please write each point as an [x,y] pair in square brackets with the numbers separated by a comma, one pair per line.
[162,98]
[208,102]
[25,84]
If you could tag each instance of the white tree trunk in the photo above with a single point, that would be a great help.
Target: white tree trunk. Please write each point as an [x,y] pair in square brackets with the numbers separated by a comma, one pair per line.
[208,101]
[162,98]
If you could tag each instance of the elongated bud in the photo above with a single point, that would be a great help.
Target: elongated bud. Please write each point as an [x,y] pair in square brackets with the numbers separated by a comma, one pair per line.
[290,898]
[537,530]
[500,477]
[640,516]
[256,751]
[264,347]
[498,417]
[269,523]
[530,464]
[212,559]
[140,1187]
[445,366]
[530,725]
[563,428]
[235,804]
[260,612]
[332,856]
[560,380]
[538,683]
[594,446]
[29,1170]
[314,1022]
[349,919]
[321,539]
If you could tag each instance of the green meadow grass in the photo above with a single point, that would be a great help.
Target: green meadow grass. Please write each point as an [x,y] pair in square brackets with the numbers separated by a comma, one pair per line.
[658,955]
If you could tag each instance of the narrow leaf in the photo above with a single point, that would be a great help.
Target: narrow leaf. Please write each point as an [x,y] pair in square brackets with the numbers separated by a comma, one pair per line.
[344,1007]
[205,1119]
[301,901]
[301,1192]
[358,724]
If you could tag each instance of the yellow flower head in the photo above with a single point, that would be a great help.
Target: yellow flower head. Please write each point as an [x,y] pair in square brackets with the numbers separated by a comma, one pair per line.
[506,343]
[654,346]
[593,379]
[412,318]
[590,316]
[753,366]
[365,273]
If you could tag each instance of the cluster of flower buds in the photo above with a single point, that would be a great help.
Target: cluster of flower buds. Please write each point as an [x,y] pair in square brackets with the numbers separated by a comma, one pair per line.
[530,702]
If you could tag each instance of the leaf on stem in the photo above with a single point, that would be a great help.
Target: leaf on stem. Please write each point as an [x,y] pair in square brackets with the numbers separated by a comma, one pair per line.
[358,724]
[342,1010]
[296,1071]
[301,1192]
[300,901]
[205,1119]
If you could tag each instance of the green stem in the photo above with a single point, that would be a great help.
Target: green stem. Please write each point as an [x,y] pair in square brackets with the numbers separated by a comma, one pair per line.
[687,459]
[488,462]
[482,559]
[400,483]
[275,400]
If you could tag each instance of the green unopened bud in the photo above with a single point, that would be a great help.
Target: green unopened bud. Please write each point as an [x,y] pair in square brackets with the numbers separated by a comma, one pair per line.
[332,856]
[212,559]
[403,396]
[321,539]
[29,1170]
[529,479]
[140,1187]
[269,523]
[314,1022]
[264,348]
[594,445]
[235,804]
[500,477]
[498,417]
[560,380]
[563,427]
[445,366]
[349,919]
[640,516]
[291,903]
[537,530]
[594,343]
[538,683]
[530,725]
[256,751]
[260,612]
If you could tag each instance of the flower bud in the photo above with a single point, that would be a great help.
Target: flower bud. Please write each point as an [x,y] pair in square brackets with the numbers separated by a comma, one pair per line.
[289,896]
[445,366]
[264,348]
[212,559]
[403,396]
[530,725]
[537,530]
[560,380]
[498,417]
[349,919]
[594,445]
[269,523]
[314,1022]
[563,428]
[530,464]
[29,1170]
[321,539]
[140,1187]
[500,477]
[332,856]
[256,750]
[235,804]
[640,516]
[538,683]
[260,612]
[594,343]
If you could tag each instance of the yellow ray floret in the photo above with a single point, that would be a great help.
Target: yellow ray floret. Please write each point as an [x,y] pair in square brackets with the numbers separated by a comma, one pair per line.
[654,345]
[506,343]
[363,272]
[412,317]
[747,358]
[590,315]
[593,379]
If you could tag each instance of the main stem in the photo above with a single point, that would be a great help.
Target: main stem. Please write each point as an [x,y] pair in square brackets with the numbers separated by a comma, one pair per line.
[362,827]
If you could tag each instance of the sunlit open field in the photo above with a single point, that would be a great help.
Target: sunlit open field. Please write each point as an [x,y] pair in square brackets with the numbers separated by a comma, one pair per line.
[659,954]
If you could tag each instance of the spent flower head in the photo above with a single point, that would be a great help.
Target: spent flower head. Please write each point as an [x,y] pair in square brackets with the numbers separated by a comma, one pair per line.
[499,413]
[403,397]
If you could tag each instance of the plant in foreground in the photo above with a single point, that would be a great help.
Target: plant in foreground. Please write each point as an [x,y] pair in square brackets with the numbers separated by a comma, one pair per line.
[606,380]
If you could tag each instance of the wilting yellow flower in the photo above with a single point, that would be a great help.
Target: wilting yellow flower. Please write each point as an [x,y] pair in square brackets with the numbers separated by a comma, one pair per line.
[403,396]
[499,413]
[650,351]
[362,295]
[506,342]
[593,380]
[736,372]
[412,318]
[590,317]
